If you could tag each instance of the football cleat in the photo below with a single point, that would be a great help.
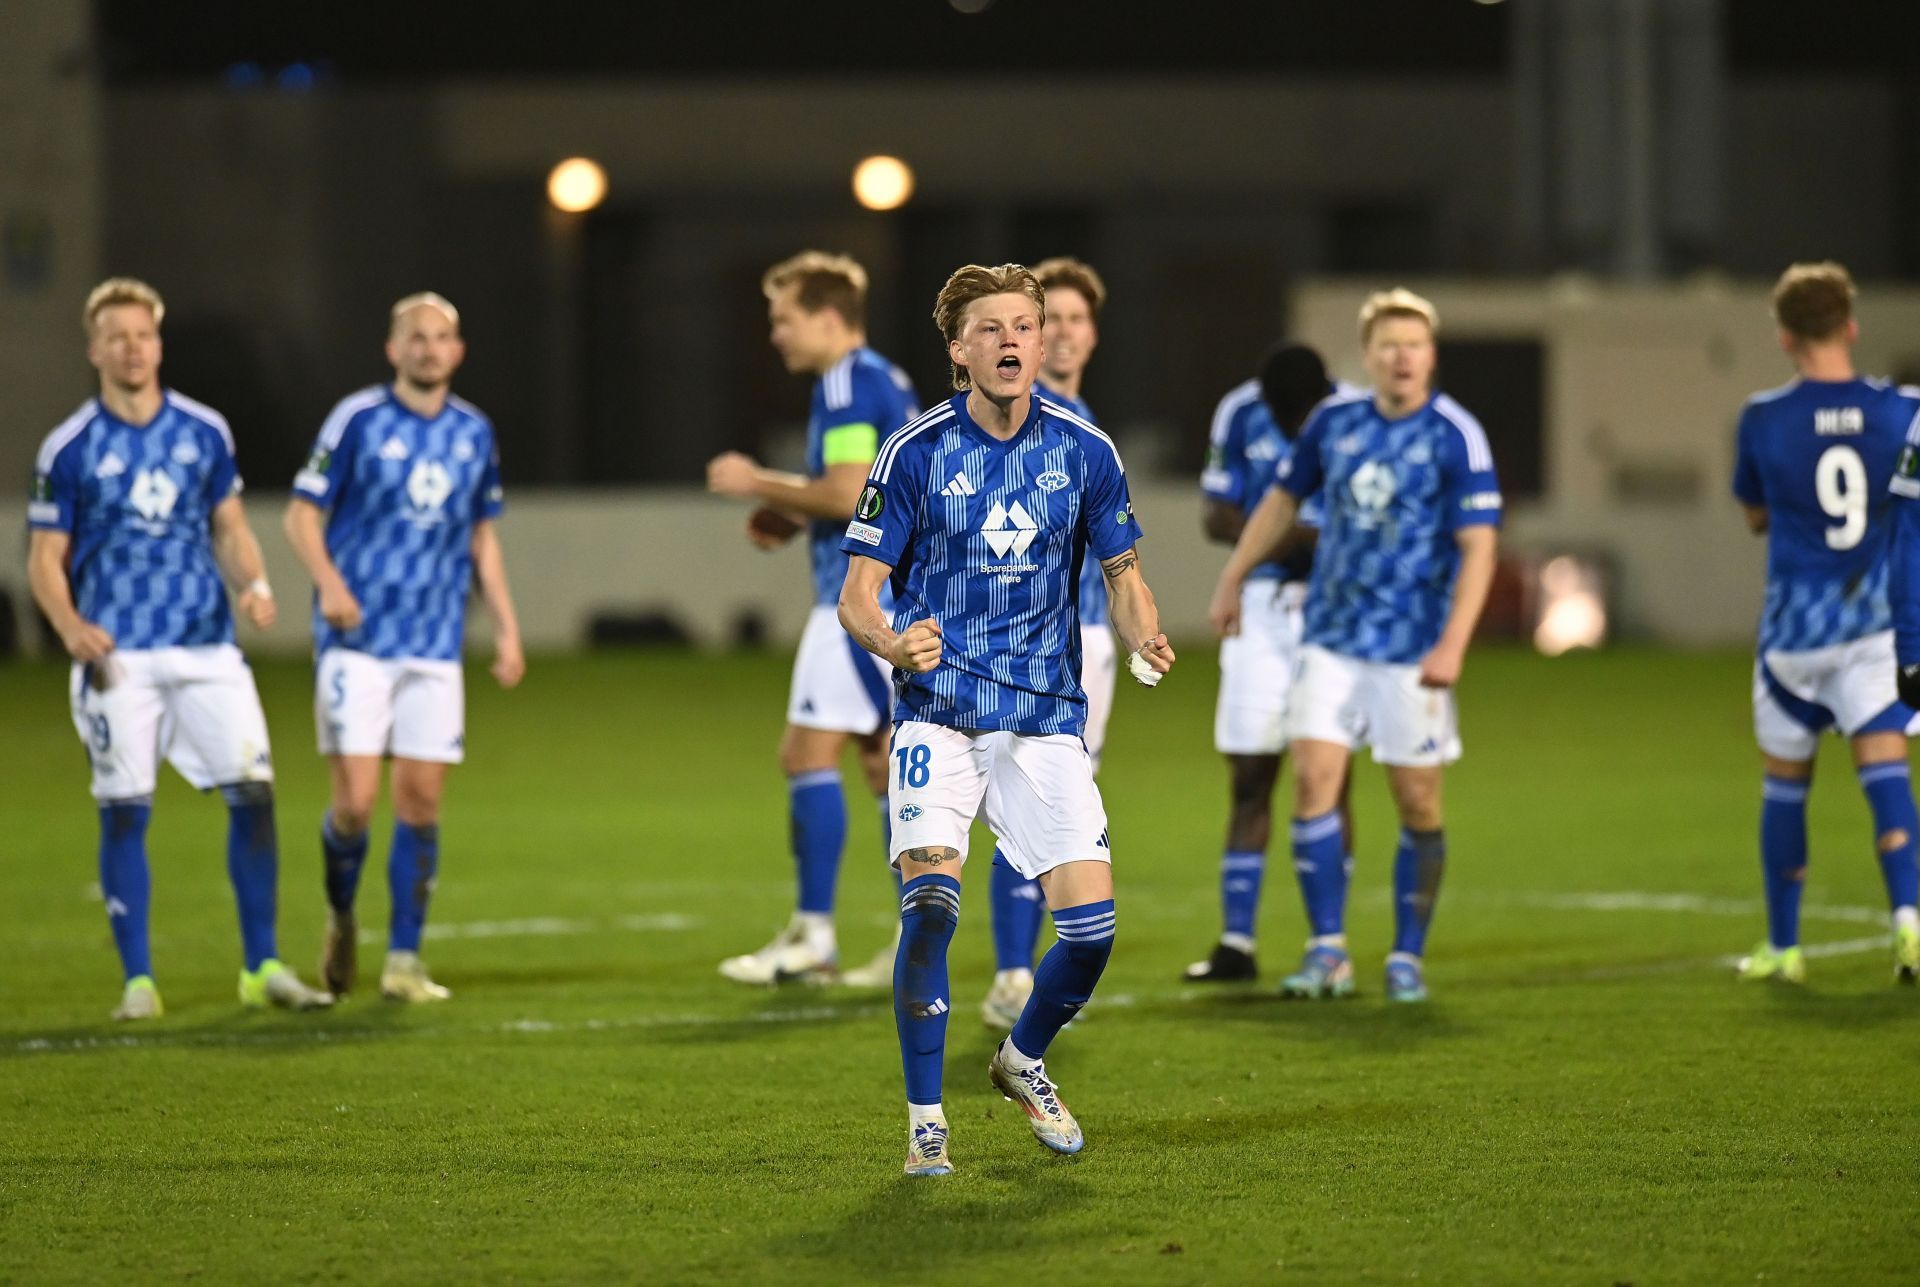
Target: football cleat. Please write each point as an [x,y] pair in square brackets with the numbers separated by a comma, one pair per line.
[927,1149]
[1787,966]
[1906,954]
[1052,1124]
[1323,972]
[339,953]
[141,1000]
[404,977]
[877,973]
[1007,998]
[274,984]
[1228,964]
[1404,979]
[787,958]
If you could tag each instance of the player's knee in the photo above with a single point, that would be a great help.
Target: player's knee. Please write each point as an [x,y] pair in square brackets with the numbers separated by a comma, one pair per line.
[247,795]
[1894,840]
[350,819]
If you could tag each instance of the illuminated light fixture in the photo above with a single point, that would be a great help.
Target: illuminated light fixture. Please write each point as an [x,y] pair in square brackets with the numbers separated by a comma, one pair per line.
[577,185]
[882,182]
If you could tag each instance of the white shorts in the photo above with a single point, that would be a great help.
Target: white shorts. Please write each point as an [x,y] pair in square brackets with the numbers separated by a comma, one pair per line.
[838,686]
[408,707]
[196,707]
[1256,669]
[1379,704]
[1848,688]
[1035,791]
[1099,664]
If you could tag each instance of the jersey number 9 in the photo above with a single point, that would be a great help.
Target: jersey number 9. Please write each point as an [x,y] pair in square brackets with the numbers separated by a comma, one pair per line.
[1840,481]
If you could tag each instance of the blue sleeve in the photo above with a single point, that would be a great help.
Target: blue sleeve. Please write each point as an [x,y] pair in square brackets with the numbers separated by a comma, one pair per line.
[324,477]
[1470,488]
[55,498]
[889,506]
[1313,513]
[1301,471]
[492,497]
[1906,471]
[1107,510]
[224,477]
[1748,488]
[1225,477]
[1903,584]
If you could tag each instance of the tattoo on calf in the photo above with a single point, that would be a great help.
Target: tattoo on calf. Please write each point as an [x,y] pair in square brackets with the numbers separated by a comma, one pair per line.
[1118,567]
[931,857]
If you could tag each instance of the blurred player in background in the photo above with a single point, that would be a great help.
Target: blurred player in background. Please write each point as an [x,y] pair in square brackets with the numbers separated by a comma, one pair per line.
[817,307]
[135,518]
[1254,429]
[1075,299]
[1815,461]
[394,519]
[1401,572]
[990,717]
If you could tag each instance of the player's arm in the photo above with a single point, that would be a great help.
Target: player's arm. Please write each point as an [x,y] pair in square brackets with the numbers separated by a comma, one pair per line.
[1749,488]
[1260,537]
[1221,520]
[1479,551]
[237,550]
[1136,617]
[830,496]
[47,577]
[490,570]
[917,649]
[305,524]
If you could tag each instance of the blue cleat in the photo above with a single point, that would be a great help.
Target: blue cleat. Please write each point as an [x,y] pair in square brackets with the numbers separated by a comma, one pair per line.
[1323,972]
[1404,979]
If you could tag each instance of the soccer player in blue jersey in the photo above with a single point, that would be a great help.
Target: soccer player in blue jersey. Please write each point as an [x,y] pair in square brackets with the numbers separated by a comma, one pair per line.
[1075,296]
[394,518]
[1400,574]
[135,519]
[1815,463]
[817,308]
[984,641]
[1254,428]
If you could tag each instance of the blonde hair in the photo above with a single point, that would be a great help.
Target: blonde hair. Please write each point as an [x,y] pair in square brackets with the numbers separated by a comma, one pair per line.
[1398,302]
[1814,301]
[974,282]
[1068,273]
[423,299]
[116,291]
[824,280]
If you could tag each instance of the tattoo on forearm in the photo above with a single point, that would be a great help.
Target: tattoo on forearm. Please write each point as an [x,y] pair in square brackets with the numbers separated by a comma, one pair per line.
[931,857]
[1119,567]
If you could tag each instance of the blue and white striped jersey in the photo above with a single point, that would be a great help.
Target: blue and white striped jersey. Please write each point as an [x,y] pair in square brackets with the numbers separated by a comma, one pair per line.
[988,538]
[138,502]
[1244,451]
[1093,582]
[859,401]
[403,494]
[1395,492]
[1820,456]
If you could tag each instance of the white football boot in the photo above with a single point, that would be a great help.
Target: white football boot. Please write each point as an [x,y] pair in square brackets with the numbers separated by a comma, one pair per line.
[1006,998]
[789,957]
[1030,1088]
[927,1149]
[404,977]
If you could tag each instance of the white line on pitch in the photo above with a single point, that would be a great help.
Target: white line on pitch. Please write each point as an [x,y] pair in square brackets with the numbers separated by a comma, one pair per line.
[547,927]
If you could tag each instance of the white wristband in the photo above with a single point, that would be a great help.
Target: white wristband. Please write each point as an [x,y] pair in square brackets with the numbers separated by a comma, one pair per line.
[1141,669]
[258,588]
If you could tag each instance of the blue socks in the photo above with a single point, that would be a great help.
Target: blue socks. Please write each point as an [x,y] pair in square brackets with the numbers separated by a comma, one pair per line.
[253,865]
[817,816]
[1895,827]
[1783,856]
[411,867]
[1320,862]
[1067,974]
[1416,885]
[125,881]
[929,913]
[1240,875]
[345,856]
[1017,904]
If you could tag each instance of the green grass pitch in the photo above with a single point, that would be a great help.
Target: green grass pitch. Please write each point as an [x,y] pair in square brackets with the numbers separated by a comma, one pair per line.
[1589,1098]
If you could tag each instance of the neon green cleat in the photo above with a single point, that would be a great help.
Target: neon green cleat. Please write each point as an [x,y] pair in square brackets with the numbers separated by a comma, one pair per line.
[1787,966]
[141,1000]
[1906,954]
[274,984]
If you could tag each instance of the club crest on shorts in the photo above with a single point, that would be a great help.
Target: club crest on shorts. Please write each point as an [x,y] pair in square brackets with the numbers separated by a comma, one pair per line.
[908,812]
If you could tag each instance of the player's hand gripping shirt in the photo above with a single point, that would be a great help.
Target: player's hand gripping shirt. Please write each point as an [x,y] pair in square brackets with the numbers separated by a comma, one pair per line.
[138,502]
[1093,582]
[1244,451]
[1394,493]
[988,539]
[1819,456]
[402,495]
[859,401]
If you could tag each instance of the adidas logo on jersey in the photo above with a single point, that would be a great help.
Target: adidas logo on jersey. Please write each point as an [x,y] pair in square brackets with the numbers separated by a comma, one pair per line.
[393,449]
[960,486]
[1009,531]
[111,466]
